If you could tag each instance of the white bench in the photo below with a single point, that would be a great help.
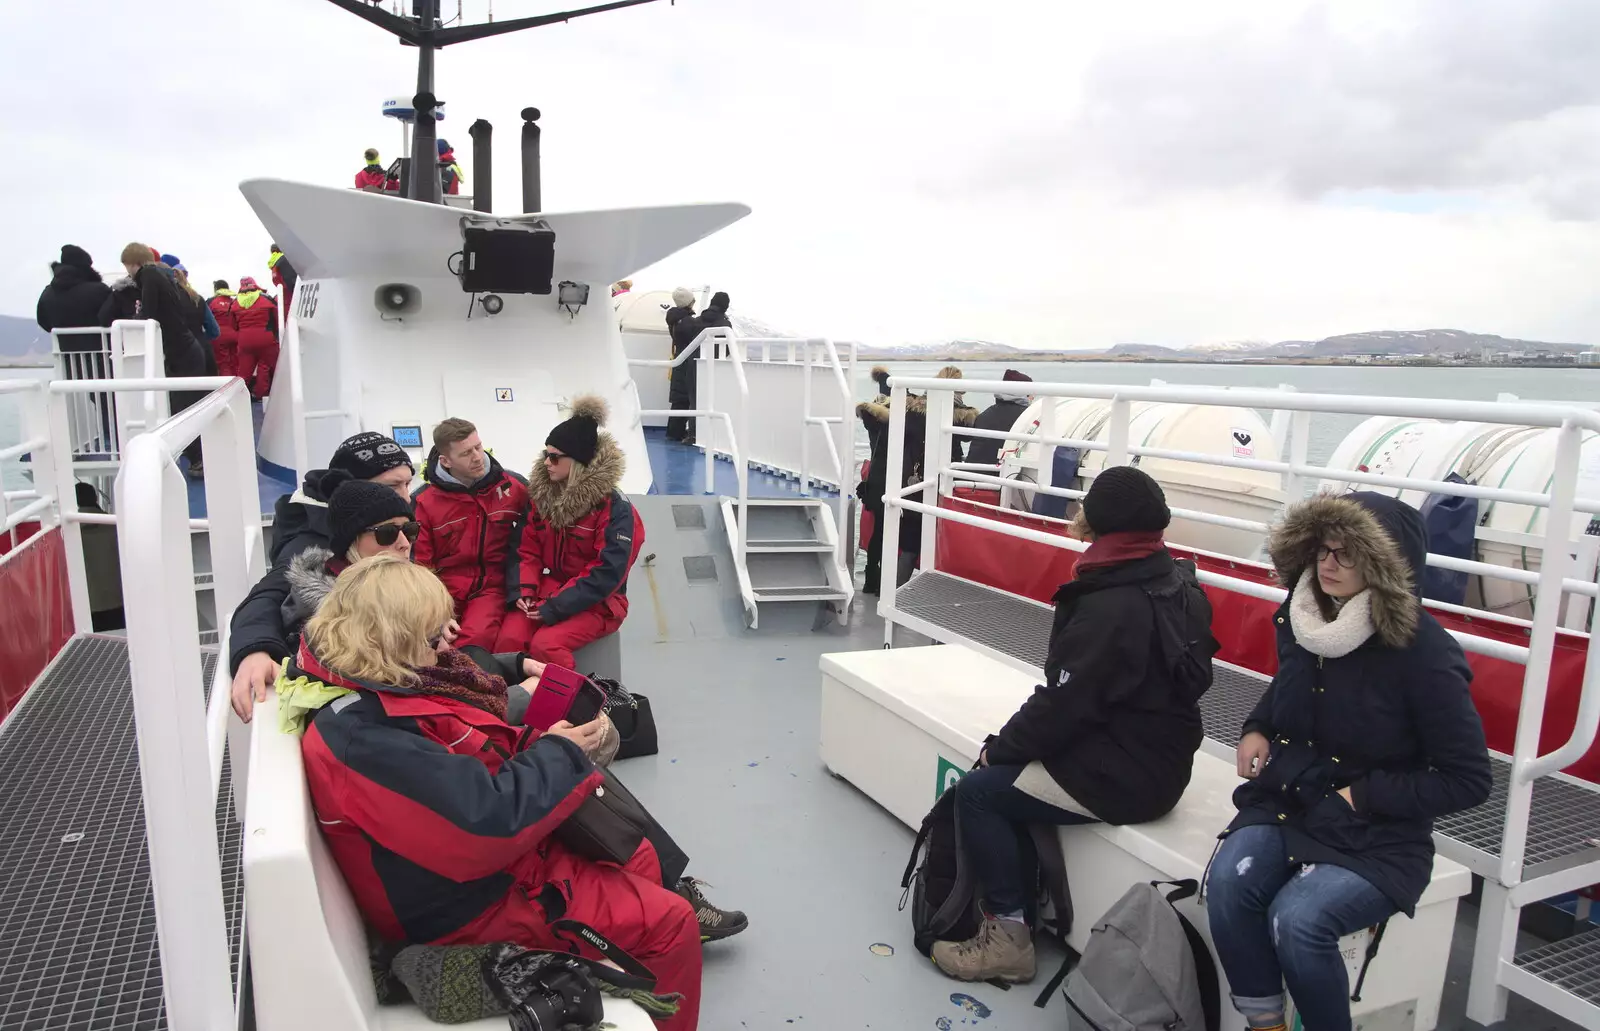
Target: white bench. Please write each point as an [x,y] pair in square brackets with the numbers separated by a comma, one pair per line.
[904,724]
[308,947]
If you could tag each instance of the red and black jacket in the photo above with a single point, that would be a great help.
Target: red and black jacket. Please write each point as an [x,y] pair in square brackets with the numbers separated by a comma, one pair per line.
[224,310]
[467,531]
[371,175]
[257,318]
[579,540]
[438,813]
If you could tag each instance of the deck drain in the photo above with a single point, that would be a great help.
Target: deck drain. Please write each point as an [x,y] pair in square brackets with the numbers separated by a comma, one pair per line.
[881,949]
[688,517]
[700,568]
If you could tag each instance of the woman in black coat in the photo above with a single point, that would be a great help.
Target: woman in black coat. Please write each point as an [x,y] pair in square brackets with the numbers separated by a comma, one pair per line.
[1366,736]
[161,299]
[73,299]
[1111,733]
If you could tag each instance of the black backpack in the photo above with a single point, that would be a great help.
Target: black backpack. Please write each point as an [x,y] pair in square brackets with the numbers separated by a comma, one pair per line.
[1183,630]
[942,891]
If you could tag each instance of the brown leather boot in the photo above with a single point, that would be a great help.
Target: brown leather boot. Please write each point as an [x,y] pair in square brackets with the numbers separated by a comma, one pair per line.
[1001,949]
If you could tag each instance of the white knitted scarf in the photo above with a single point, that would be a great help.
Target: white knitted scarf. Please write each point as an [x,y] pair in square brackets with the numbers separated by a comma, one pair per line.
[1334,638]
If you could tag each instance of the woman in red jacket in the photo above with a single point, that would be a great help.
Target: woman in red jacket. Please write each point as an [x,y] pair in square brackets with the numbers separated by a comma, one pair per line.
[257,319]
[578,543]
[440,814]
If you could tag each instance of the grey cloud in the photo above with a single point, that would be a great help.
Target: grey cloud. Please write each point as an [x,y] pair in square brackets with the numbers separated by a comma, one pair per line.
[1462,94]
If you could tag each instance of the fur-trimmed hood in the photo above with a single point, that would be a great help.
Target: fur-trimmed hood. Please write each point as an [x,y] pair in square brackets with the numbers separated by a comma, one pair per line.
[1387,539]
[916,404]
[585,488]
[310,579]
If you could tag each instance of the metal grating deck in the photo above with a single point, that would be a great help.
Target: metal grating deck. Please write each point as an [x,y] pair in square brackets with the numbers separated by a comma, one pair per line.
[1565,819]
[1003,621]
[78,949]
[1572,964]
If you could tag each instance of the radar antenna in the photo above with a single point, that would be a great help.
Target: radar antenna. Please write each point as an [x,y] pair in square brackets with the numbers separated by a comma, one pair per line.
[424,31]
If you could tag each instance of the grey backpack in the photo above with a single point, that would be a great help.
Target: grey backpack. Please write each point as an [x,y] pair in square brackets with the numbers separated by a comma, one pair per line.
[1146,968]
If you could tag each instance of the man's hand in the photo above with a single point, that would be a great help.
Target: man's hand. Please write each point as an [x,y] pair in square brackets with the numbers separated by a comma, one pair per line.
[586,737]
[528,607]
[532,669]
[1254,749]
[256,674]
[452,630]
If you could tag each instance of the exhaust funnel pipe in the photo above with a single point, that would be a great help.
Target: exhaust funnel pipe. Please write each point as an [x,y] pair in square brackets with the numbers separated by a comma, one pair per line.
[482,134]
[530,160]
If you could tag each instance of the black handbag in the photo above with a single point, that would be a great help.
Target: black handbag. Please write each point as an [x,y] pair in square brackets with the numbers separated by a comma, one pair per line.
[630,714]
[608,826]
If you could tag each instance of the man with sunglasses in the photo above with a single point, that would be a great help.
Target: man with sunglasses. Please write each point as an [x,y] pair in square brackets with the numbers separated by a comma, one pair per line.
[300,521]
[467,510]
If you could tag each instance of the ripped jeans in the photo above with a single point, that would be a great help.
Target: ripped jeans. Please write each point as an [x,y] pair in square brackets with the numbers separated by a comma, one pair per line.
[1274,922]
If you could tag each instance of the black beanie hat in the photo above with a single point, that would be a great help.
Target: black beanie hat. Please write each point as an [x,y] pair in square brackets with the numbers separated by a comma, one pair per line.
[357,505]
[1124,498]
[719,300]
[71,254]
[369,454]
[579,436]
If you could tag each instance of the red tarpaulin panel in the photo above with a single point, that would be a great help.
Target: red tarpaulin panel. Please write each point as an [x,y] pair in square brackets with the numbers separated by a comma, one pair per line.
[1244,627]
[35,611]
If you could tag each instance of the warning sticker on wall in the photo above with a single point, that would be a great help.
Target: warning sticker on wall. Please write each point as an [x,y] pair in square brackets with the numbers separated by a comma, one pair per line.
[1243,443]
[502,393]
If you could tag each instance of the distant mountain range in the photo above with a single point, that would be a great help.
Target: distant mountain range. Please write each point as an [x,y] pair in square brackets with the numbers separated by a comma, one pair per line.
[1385,343]
[22,342]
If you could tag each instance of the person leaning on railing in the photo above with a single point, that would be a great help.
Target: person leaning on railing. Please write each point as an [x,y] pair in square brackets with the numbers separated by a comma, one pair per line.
[257,639]
[1366,735]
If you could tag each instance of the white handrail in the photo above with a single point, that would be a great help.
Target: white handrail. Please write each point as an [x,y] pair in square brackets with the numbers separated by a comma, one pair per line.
[177,738]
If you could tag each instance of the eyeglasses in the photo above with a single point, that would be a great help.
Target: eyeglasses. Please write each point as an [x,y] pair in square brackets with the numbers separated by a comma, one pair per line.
[387,533]
[1340,555]
[553,456]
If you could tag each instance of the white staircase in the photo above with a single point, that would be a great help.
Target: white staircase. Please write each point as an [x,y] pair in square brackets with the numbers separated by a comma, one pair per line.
[790,553]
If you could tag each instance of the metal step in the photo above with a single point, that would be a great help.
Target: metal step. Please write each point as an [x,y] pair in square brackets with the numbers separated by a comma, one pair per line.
[818,592]
[1572,964]
[753,546]
[1565,816]
[78,940]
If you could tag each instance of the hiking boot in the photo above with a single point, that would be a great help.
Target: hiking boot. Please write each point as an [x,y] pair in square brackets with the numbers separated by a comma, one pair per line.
[1001,949]
[715,924]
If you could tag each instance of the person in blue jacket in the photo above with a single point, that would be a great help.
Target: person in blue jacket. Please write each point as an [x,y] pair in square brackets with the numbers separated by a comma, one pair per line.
[1366,735]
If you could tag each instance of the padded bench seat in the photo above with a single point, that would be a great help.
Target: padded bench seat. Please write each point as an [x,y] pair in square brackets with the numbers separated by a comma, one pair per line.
[308,947]
[904,724]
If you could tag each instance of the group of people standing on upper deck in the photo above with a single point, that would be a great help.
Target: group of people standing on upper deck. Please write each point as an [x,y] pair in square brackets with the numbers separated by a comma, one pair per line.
[406,633]
[1366,735]
[228,334]
[684,325]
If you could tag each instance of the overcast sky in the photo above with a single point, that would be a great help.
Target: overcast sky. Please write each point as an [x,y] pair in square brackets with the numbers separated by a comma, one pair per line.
[1047,173]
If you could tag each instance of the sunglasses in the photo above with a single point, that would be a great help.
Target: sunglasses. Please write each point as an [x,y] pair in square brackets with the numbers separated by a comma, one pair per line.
[553,456]
[1340,555]
[388,533]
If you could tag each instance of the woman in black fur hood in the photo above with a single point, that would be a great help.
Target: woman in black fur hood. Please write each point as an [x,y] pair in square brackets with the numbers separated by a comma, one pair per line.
[1365,737]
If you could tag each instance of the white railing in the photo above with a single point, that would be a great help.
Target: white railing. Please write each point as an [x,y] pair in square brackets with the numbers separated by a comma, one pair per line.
[838,433]
[736,433]
[1505,888]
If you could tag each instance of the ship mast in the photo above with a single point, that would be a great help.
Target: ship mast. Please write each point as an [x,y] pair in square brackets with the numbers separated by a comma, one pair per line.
[424,32]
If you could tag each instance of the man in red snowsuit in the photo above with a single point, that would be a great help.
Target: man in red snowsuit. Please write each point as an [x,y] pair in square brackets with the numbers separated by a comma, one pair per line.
[372,174]
[468,509]
[580,539]
[226,345]
[257,319]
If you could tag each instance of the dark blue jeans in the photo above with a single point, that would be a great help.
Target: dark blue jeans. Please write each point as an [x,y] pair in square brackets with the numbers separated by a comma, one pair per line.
[1275,922]
[994,817]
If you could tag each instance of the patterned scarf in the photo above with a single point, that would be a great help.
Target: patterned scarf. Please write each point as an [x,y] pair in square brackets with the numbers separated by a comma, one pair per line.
[459,677]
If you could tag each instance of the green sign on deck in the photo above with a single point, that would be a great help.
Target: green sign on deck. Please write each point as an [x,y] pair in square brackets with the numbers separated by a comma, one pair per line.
[949,773]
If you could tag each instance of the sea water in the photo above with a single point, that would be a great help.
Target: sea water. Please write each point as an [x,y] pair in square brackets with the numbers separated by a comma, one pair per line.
[12,474]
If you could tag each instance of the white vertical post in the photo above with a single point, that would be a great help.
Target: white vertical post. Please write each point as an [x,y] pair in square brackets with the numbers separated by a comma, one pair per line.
[893,480]
[1117,434]
[1294,485]
[706,383]
[297,401]
[741,460]
[935,456]
[179,800]
[1553,563]
[64,487]
[1279,428]
[846,439]
[805,414]
[1496,941]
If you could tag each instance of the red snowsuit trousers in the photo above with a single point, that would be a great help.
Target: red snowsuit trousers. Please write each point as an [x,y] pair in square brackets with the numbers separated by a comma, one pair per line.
[258,362]
[629,906]
[480,617]
[556,642]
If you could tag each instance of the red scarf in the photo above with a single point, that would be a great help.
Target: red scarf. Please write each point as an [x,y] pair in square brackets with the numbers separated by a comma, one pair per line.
[1116,548]
[459,677]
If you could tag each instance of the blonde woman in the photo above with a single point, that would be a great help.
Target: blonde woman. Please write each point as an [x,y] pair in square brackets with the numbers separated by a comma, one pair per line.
[161,299]
[440,813]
